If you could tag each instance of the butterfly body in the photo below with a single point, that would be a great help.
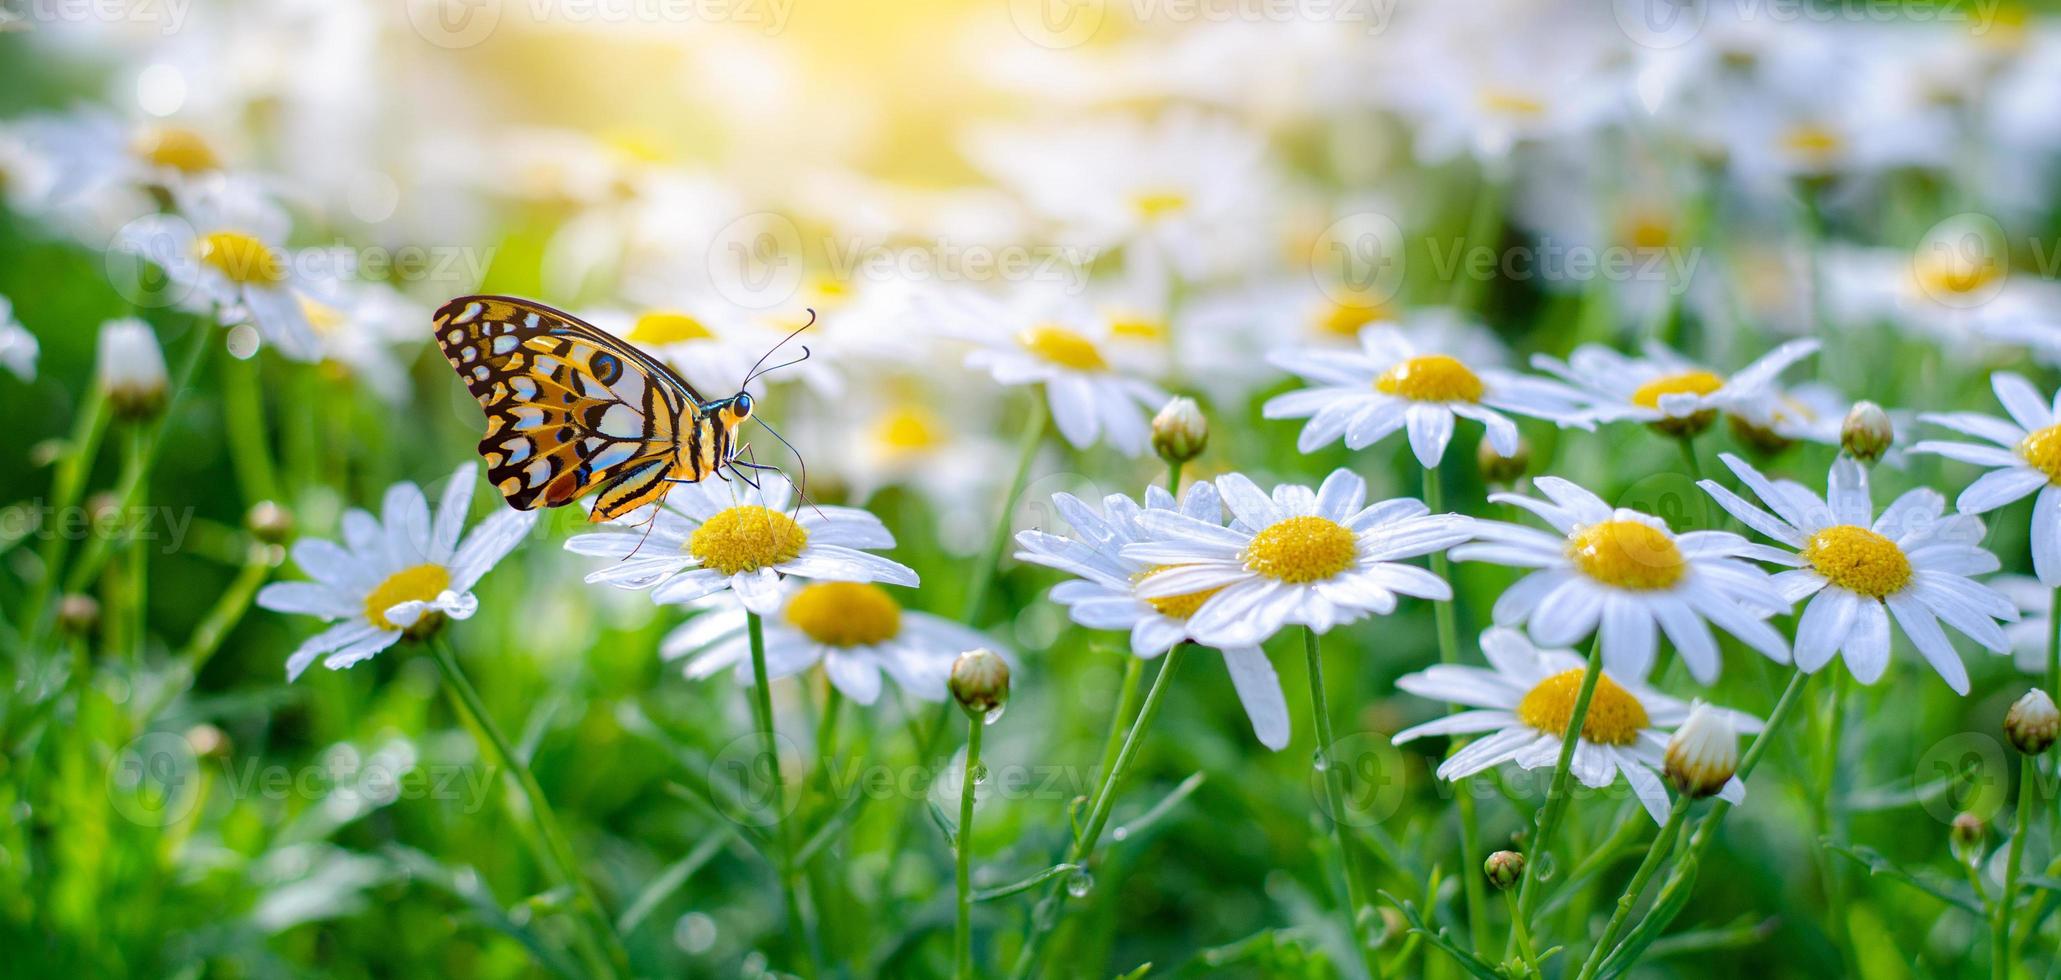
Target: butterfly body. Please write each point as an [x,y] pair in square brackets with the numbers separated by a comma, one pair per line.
[572,409]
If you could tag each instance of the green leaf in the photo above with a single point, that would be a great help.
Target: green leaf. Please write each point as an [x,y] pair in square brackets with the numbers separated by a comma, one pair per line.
[1673,897]
[1004,891]
[944,824]
[1480,968]
[670,880]
[1879,865]
[1130,829]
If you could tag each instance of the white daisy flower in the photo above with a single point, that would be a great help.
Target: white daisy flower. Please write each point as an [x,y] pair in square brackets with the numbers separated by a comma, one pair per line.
[1106,595]
[1088,379]
[2034,629]
[1319,558]
[18,346]
[1525,698]
[2026,459]
[1620,574]
[856,630]
[227,251]
[1910,563]
[400,574]
[712,535]
[1663,388]
[1414,380]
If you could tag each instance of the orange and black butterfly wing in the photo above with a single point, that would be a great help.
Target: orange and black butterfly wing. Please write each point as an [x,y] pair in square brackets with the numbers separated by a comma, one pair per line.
[569,408]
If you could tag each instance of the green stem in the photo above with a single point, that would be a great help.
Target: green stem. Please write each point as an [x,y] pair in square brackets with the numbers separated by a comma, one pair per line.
[1690,462]
[1334,799]
[1126,702]
[769,745]
[962,846]
[2000,924]
[1447,618]
[991,559]
[1557,790]
[558,859]
[65,487]
[1663,843]
[1045,916]
[1828,820]
[1706,830]
[243,416]
[1484,230]
[1521,934]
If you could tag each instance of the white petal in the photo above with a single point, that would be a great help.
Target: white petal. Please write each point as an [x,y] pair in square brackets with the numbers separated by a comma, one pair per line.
[1259,690]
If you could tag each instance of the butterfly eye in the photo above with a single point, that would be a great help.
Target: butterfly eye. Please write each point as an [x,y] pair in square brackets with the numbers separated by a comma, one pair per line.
[743,405]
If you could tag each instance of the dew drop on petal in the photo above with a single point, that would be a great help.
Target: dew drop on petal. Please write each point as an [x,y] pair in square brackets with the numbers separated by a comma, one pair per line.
[980,774]
[1321,761]
[243,341]
[994,715]
[1120,834]
[1080,883]
[695,933]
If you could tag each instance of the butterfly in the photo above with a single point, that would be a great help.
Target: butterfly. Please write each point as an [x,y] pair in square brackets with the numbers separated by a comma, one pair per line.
[572,409]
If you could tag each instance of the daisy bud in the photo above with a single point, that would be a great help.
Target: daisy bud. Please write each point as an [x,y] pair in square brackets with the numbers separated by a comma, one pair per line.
[1504,869]
[1967,837]
[207,741]
[1179,432]
[1866,433]
[131,369]
[980,682]
[269,522]
[2032,723]
[1499,469]
[78,614]
[1703,754]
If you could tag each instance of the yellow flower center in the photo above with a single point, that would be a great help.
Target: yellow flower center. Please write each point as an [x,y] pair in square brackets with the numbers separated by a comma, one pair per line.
[1345,317]
[1859,560]
[242,257]
[1430,378]
[1816,143]
[419,584]
[1511,102]
[2043,450]
[845,614]
[1944,271]
[1175,606]
[322,317]
[907,431]
[1152,205]
[1688,382]
[1648,231]
[661,327]
[1614,718]
[1302,549]
[746,538]
[176,149]
[1628,555]
[1063,347]
[1132,326]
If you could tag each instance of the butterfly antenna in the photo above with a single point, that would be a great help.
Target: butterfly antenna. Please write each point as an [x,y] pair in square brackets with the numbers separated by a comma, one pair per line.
[801,490]
[754,372]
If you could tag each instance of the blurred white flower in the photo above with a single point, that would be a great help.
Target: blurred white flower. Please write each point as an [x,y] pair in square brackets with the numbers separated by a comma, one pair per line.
[17,345]
[2034,629]
[1183,189]
[130,368]
[1910,562]
[714,535]
[227,251]
[1626,578]
[1417,380]
[856,630]
[1105,593]
[1525,699]
[1038,338]
[1317,558]
[396,575]
[1664,388]
[2025,461]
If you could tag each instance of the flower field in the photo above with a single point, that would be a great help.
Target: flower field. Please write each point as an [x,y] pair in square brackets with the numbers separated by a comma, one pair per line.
[1030,488]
